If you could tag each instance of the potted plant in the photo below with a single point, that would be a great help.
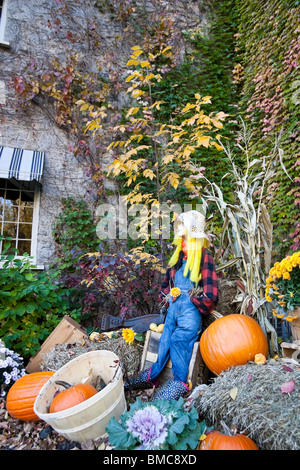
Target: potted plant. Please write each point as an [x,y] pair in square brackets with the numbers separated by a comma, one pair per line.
[283,288]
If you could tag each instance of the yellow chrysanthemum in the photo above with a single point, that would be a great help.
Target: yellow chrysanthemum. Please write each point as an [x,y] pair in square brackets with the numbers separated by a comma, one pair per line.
[128,334]
[175,292]
[291,318]
[291,294]
[286,275]
[268,298]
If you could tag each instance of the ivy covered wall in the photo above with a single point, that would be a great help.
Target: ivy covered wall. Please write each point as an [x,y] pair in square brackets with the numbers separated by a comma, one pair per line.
[268,48]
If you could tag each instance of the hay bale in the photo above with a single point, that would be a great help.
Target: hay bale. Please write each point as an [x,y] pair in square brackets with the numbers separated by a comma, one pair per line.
[259,409]
[130,354]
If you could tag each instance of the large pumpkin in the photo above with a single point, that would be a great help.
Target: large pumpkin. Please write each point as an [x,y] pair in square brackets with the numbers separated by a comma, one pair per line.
[22,395]
[73,395]
[230,341]
[215,440]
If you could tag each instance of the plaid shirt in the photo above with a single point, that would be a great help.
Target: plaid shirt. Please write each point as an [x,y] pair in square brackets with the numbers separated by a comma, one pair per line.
[209,283]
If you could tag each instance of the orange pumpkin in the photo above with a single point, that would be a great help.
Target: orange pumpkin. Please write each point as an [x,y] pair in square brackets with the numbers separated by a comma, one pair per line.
[230,341]
[73,395]
[22,395]
[215,440]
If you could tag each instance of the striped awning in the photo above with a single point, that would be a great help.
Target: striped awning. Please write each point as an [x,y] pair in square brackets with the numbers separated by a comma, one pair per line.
[23,165]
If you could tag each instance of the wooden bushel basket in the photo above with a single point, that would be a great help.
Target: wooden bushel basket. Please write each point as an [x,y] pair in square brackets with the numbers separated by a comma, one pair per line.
[88,420]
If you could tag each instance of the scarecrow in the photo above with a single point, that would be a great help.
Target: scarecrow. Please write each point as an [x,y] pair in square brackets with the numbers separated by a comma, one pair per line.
[189,290]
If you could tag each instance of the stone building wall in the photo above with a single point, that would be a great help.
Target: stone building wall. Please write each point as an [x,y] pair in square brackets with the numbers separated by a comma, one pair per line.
[29,38]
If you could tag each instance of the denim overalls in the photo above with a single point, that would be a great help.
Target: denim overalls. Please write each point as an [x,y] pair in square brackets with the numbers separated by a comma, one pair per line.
[181,330]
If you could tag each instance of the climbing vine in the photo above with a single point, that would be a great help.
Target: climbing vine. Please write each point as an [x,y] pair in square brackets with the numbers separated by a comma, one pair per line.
[269,48]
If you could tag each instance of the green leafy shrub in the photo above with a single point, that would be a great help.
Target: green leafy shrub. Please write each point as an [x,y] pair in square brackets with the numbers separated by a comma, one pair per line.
[160,425]
[32,303]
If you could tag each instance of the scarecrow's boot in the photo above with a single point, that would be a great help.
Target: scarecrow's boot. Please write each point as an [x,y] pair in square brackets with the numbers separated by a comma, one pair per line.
[140,382]
[171,390]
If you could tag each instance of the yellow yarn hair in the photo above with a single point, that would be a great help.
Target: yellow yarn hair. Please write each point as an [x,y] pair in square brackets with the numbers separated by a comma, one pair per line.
[194,253]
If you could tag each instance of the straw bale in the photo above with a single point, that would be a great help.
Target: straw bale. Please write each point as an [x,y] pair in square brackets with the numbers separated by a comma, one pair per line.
[250,398]
[129,354]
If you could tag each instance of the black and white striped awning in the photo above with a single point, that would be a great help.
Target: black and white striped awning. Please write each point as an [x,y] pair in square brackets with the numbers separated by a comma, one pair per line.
[22,165]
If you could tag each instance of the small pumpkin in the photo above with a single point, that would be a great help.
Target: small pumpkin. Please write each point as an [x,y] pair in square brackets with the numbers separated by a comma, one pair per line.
[22,395]
[73,395]
[230,341]
[260,359]
[215,440]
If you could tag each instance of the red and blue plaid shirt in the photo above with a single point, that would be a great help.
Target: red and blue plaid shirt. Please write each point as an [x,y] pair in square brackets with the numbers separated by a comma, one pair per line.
[209,297]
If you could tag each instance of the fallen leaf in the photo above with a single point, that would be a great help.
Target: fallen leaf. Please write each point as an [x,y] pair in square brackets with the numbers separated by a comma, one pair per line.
[233,393]
[288,369]
[287,387]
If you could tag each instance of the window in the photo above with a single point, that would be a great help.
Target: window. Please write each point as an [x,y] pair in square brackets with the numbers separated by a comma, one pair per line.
[3,15]
[18,214]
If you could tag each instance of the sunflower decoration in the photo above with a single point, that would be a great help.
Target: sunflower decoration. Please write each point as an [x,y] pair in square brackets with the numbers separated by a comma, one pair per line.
[175,292]
[128,334]
[283,285]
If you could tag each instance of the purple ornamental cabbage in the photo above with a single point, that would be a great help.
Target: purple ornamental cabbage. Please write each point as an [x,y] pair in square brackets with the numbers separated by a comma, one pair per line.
[149,426]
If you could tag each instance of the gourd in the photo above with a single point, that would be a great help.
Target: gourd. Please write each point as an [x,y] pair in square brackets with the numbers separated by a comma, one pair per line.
[230,341]
[71,396]
[22,395]
[215,440]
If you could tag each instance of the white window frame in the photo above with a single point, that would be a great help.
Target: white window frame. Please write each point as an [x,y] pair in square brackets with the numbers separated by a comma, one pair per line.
[34,233]
[3,23]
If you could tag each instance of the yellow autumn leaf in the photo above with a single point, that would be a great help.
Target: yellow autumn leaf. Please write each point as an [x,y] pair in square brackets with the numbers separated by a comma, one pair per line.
[189,185]
[166,49]
[84,107]
[149,174]
[130,77]
[132,62]
[168,158]
[174,180]
[203,140]
[137,93]
[145,63]
[136,48]
[132,111]
[137,53]
[233,393]
[217,123]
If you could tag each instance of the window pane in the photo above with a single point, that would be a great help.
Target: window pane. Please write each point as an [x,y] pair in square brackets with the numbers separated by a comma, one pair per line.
[12,249]
[11,213]
[12,198]
[25,231]
[10,230]
[26,213]
[24,247]
[28,197]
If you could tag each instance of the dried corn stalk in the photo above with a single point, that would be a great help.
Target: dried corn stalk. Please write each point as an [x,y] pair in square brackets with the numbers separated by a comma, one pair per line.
[246,238]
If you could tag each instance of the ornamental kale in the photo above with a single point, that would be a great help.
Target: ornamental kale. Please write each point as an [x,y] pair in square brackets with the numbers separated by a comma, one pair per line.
[160,425]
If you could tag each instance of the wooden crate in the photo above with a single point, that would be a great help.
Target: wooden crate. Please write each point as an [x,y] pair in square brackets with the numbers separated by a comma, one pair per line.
[197,370]
[67,331]
[291,350]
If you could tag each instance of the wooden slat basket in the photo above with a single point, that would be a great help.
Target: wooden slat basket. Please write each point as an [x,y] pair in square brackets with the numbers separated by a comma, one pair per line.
[88,420]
